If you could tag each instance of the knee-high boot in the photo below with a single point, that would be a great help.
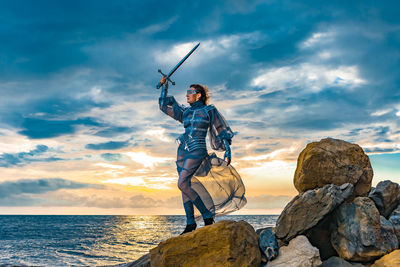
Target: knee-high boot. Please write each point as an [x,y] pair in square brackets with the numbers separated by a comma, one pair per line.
[202,208]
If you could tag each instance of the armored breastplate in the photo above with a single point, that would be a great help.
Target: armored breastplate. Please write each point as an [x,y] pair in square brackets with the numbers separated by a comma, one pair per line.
[196,122]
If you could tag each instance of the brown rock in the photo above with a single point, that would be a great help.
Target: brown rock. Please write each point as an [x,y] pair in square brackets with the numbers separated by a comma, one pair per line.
[308,208]
[390,260]
[225,243]
[333,161]
[360,233]
[386,196]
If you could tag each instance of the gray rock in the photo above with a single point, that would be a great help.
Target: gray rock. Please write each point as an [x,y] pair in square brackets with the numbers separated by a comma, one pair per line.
[272,228]
[299,252]
[395,220]
[386,197]
[268,244]
[359,233]
[339,262]
[308,208]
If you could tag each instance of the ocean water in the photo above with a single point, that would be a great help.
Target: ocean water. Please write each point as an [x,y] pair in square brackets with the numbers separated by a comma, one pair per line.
[71,240]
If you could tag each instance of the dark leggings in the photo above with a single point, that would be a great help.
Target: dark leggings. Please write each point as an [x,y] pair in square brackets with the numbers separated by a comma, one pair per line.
[187,164]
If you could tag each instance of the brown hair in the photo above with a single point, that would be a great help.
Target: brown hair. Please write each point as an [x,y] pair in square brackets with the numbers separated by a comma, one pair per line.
[204,91]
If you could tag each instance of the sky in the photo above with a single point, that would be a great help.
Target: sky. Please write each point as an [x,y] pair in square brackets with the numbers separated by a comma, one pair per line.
[80,127]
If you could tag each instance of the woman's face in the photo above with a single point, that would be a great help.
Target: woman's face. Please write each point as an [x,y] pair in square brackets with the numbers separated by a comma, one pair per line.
[192,96]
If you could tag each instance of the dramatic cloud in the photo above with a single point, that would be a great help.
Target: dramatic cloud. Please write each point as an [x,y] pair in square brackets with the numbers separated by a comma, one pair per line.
[80,79]
[38,128]
[8,160]
[111,156]
[111,145]
[25,191]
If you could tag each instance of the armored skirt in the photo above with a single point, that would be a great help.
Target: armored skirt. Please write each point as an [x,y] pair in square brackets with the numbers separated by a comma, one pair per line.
[204,179]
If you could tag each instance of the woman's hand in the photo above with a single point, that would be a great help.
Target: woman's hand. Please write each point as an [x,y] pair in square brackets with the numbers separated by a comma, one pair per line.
[162,81]
[228,159]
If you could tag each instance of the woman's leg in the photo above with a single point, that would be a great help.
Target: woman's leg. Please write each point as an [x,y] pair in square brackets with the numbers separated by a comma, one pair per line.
[189,209]
[187,203]
[187,169]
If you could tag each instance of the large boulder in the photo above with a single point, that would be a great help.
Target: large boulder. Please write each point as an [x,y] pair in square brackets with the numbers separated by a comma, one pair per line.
[298,253]
[360,233]
[386,196]
[225,243]
[390,260]
[395,220]
[306,209]
[333,161]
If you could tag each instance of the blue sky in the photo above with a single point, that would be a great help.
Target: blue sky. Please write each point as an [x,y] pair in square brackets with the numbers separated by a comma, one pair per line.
[79,105]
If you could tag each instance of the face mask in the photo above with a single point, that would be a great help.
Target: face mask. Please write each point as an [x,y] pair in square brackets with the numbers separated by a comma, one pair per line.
[192,92]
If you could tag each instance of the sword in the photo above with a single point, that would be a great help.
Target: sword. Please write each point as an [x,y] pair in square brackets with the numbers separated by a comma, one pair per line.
[167,77]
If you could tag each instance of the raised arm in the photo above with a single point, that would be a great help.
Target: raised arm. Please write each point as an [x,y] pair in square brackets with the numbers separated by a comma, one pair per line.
[169,105]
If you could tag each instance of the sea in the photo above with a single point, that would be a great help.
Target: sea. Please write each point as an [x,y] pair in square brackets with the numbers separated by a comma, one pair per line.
[92,240]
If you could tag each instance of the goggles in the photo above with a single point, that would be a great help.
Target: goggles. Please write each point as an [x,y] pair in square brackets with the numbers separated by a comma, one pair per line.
[192,92]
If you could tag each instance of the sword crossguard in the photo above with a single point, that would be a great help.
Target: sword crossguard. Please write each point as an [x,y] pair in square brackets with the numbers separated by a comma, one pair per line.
[166,77]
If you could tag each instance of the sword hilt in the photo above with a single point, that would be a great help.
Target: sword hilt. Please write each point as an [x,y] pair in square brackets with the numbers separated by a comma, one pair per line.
[166,77]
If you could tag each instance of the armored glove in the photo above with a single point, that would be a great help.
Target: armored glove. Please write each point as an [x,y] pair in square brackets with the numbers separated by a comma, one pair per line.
[227,155]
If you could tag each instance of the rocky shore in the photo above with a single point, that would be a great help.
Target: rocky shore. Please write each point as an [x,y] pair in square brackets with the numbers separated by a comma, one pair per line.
[337,219]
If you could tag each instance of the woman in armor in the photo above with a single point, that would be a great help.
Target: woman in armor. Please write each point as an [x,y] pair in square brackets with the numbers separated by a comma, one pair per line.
[197,120]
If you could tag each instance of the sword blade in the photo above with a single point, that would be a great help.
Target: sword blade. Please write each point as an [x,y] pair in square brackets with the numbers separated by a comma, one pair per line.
[181,62]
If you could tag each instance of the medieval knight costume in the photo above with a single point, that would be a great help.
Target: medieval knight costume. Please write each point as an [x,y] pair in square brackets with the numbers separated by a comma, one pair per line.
[206,181]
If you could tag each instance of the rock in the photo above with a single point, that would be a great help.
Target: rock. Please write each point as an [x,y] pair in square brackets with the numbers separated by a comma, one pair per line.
[320,237]
[143,261]
[339,262]
[395,220]
[225,243]
[258,231]
[307,209]
[298,253]
[333,161]
[386,196]
[360,233]
[268,244]
[390,260]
